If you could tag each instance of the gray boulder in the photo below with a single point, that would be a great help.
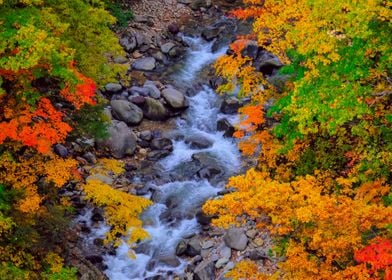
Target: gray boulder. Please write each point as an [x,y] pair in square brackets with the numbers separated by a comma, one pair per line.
[153,90]
[113,87]
[198,142]
[236,239]
[126,111]
[194,247]
[135,90]
[144,64]
[165,48]
[121,140]
[175,98]
[162,144]
[230,105]
[154,110]
[226,126]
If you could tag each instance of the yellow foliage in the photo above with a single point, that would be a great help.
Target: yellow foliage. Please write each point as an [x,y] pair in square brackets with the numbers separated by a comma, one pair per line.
[122,210]
[59,171]
[108,167]
[54,261]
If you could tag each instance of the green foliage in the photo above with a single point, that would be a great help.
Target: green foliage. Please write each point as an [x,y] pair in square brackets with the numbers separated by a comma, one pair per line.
[63,274]
[117,10]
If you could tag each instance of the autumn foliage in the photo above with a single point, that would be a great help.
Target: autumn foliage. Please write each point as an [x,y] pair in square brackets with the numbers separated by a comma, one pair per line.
[322,185]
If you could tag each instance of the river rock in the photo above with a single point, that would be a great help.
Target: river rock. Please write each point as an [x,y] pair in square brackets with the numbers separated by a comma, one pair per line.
[154,110]
[235,238]
[146,135]
[135,90]
[153,90]
[113,87]
[221,262]
[174,98]
[197,4]
[137,100]
[267,63]
[211,33]
[230,105]
[198,142]
[126,111]
[128,42]
[224,251]
[165,48]
[121,140]
[61,150]
[144,64]
[202,218]
[194,247]
[226,126]
[205,270]
[181,248]
[157,155]
[162,144]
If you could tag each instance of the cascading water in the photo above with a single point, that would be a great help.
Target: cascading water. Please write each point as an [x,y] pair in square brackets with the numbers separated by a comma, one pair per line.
[172,217]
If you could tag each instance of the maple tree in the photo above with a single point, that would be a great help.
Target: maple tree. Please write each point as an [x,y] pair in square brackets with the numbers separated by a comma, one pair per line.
[324,155]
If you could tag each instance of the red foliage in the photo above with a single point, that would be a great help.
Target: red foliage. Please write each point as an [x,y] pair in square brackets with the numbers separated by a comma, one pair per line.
[378,255]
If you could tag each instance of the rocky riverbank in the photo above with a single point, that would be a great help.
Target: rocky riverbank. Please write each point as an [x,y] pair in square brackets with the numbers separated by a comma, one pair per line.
[144,109]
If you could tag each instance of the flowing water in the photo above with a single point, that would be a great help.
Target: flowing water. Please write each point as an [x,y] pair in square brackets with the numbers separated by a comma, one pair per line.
[172,217]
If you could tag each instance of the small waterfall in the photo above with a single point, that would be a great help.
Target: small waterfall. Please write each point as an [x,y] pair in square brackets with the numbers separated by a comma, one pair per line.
[172,217]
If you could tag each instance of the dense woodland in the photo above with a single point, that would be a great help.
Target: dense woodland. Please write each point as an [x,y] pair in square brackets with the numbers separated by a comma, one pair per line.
[322,184]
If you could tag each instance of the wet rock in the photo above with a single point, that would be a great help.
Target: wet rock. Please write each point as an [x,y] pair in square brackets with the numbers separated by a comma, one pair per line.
[113,87]
[154,110]
[181,248]
[135,90]
[137,100]
[235,238]
[221,262]
[126,111]
[162,144]
[230,105]
[194,247]
[153,90]
[165,48]
[90,157]
[97,215]
[198,142]
[226,126]
[144,64]
[169,260]
[61,150]
[100,177]
[121,140]
[202,218]
[211,33]
[209,172]
[197,4]
[173,28]
[205,270]
[175,98]
[146,135]
[157,155]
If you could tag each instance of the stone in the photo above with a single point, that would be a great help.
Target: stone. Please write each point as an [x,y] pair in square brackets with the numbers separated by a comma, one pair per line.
[197,4]
[224,251]
[97,215]
[230,105]
[165,48]
[153,90]
[121,140]
[170,261]
[144,64]
[236,239]
[154,110]
[158,55]
[194,247]
[128,42]
[202,218]
[174,98]
[207,244]
[181,248]
[198,142]
[120,59]
[61,150]
[157,155]
[126,111]
[221,262]
[226,126]
[205,270]
[267,63]
[146,135]
[162,144]
[113,87]
[256,254]
[211,33]
[173,28]
[90,157]
[258,242]
[251,233]
[100,177]
[135,90]
[137,100]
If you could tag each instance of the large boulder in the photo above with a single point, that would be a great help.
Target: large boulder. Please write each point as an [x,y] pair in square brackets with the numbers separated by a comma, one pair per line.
[198,142]
[154,110]
[121,140]
[175,98]
[230,105]
[236,239]
[126,111]
[225,126]
[144,64]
